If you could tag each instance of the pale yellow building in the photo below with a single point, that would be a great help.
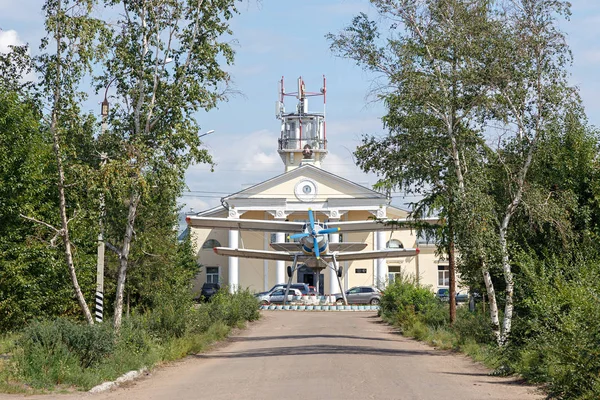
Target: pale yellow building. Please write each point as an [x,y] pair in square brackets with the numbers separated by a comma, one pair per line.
[289,196]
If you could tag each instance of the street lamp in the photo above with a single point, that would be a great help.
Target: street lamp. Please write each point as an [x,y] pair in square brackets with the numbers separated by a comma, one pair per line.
[207,133]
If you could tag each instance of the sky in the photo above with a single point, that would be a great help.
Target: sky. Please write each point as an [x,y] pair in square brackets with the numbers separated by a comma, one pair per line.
[275,38]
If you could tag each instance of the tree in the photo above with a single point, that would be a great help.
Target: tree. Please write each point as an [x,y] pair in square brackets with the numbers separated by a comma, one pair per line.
[73,33]
[457,68]
[531,97]
[165,62]
[434,93]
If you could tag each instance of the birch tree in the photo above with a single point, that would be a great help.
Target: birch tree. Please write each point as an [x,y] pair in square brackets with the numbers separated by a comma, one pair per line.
[432,87]
[165,65]
[68,52]
[531,93]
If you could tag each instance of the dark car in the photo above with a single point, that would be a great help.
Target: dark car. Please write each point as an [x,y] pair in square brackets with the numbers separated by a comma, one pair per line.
[360,295]
[209,290]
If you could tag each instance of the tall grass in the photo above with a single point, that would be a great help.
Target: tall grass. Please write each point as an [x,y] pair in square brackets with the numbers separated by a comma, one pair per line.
[63,352]
[556,328]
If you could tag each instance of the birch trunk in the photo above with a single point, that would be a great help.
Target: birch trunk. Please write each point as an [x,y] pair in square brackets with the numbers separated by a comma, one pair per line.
[124,258]
[491,294]
[64,221]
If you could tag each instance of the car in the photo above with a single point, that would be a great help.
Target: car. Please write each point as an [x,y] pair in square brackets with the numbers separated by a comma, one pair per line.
[444,295]
[303,287]
[209,290]
[360,295]
[277,295]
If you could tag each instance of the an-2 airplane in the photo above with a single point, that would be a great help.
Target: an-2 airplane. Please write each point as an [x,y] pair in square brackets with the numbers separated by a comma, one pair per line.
[312,249]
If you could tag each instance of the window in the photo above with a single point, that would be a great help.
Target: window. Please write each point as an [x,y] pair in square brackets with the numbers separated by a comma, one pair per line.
[354,290]
[443,275]
[360,270]
[210,244]
[394,244]
[212,274]
[394,272]
[366,290]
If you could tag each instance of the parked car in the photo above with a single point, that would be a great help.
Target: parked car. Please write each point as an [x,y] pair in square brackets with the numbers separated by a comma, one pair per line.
[303,287]
[360,295]
[444,295]
[209,290]
[277,295]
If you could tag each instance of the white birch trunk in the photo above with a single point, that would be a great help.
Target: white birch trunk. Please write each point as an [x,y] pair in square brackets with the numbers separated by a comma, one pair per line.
[123,260]
[64,221]
[491,294]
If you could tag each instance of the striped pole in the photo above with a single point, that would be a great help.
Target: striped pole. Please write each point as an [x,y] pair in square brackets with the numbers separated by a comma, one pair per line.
[99,306]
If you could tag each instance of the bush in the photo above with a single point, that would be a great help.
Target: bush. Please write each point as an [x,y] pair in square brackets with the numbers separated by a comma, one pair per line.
[65,352]
[403,302]
[472,326]
[561,320]
[57,351]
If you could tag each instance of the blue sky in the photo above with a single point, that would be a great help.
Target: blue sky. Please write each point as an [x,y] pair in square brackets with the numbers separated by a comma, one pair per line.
[286,38]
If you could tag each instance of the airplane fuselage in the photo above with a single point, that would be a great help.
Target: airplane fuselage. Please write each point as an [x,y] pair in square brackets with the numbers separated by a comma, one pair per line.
[308,241]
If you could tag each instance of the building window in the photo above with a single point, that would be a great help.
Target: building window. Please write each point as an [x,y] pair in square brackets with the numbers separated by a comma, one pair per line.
[394,244]
[443,275]
[394,272]
[212,274]
[211,244]
[360,270]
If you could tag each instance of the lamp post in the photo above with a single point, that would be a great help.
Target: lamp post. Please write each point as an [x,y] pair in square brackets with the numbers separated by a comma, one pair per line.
[207,133]
[99,298]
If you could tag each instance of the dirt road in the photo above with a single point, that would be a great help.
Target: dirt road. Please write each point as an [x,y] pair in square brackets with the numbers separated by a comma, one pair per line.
[322,355]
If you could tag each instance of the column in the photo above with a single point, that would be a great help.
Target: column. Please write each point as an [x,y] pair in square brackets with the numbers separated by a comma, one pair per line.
[280,275]
[334,286]
[381,263]
[234,282]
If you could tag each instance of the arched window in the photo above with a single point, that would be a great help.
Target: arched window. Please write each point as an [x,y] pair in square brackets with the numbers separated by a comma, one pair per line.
[394,244]
[210,244]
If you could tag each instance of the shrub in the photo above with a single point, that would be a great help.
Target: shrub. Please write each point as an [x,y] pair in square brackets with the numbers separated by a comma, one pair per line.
[472,326]
[57,351]
[403,303]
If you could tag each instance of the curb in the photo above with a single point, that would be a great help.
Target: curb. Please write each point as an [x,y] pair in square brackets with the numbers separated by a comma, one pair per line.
[129,376]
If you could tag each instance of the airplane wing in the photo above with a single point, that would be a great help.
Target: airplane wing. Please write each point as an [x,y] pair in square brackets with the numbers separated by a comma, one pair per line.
[371,255]
[287,246]
[344,246]
[372,225]
[245,224]
[260,254]
[347,246]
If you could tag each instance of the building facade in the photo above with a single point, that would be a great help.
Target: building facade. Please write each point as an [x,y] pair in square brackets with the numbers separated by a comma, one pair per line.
[303,186]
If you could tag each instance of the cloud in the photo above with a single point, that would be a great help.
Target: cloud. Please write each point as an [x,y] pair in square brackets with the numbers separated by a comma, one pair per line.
[7,39]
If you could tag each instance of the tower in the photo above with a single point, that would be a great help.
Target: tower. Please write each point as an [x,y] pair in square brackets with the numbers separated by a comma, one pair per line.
[302,139]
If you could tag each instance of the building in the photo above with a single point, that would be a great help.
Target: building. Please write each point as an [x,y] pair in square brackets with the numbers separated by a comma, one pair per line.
[302,186]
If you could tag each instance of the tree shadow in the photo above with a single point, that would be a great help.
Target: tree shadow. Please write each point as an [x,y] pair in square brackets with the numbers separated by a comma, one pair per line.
[315,336]
[309,350]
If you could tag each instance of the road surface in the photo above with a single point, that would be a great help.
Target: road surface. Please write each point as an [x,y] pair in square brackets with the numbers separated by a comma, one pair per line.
[321,355]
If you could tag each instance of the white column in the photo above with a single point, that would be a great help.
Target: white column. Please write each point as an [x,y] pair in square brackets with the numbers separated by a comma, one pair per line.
[375,261]
[234,281]
[280,275]
[381,263]
[266,263]
[334,286]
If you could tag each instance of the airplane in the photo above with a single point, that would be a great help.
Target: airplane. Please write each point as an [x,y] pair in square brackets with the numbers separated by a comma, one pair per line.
[312,249]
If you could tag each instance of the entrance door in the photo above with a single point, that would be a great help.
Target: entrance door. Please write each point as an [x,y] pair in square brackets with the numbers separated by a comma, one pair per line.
[309,279]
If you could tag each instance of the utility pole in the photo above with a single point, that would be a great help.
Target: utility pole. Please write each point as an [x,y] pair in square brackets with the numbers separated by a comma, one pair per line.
[99,303]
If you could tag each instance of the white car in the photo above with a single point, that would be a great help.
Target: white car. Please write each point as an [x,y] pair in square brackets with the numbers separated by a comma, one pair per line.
[277,295]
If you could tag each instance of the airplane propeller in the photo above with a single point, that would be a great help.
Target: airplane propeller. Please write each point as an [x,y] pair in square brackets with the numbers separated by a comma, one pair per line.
[314,233]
